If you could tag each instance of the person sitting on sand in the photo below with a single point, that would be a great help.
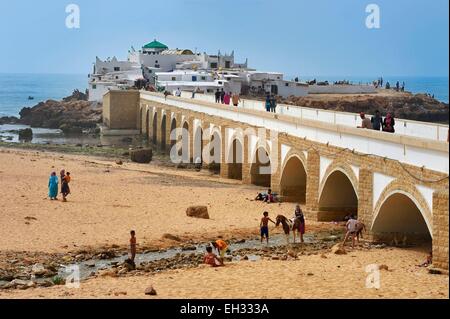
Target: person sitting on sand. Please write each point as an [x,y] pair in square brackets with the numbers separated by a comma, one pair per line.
[65,189]
[264,226]
[429,260]
[221,247]
[53,186]
[270,198]
[211,258]
[351,230]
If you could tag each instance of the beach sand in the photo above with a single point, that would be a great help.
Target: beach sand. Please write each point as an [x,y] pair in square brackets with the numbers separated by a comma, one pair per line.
[108,200]
[337,276]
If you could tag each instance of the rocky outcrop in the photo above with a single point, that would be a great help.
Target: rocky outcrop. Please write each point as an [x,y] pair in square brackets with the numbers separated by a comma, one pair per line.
[419,107]
[9,120]
[72,114]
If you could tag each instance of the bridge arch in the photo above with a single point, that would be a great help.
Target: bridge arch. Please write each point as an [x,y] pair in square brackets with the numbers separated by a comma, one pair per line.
[261,167]
[235,158]
[198,145]
[163,131]
[155,128]
[293,178]
[173,127]
[215,151]
[402,211]
[184,150]
[338,193]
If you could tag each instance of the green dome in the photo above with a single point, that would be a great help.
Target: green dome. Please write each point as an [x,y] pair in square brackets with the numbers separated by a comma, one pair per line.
[155,45]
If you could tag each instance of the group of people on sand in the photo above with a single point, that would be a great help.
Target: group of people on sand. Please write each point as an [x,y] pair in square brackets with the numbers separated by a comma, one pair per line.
[54,182]
[354,230]
[267,197]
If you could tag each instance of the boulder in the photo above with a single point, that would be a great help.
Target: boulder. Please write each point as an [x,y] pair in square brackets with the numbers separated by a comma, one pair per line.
[142,156]
[150,291]
[119,162]
[198,212]
[338,250]
[38,270]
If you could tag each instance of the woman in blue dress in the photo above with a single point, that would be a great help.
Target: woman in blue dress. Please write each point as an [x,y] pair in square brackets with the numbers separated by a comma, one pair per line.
[53,186]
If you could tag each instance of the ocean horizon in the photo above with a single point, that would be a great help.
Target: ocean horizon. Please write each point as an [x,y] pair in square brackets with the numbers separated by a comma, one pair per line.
[16,88]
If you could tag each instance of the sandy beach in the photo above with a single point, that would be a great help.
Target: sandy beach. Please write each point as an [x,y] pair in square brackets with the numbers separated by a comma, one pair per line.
[108,200]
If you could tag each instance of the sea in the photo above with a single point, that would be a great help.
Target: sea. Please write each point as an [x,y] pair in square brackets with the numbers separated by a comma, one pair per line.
[15,90]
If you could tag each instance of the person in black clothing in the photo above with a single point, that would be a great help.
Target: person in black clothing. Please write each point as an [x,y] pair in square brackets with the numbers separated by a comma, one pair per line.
[222,96]
[217,96]
[377,121]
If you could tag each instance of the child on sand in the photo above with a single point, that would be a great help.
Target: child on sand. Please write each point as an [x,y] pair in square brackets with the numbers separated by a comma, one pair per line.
[221,247]
[351,226]
[264,225]
[211,258]
[133,246]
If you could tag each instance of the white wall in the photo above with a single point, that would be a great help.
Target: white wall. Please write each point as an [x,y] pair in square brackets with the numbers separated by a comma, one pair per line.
[341,89]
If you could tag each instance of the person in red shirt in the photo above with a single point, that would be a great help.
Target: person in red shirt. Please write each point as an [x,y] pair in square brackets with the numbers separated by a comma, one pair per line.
[211,258]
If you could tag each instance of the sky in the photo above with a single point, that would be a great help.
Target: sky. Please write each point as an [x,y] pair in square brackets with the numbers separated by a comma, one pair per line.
[297,37]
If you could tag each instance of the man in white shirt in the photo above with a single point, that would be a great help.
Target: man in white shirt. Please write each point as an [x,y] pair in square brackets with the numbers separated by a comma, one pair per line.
[352,228]
[178,93]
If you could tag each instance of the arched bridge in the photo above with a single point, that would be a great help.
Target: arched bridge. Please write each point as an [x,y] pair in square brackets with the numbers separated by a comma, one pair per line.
[397,184]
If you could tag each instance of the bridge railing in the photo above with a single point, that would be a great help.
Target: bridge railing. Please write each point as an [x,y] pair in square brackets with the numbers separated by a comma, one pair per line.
[431,131]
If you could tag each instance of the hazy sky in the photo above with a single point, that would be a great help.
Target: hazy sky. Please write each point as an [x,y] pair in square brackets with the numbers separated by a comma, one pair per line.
[298,37]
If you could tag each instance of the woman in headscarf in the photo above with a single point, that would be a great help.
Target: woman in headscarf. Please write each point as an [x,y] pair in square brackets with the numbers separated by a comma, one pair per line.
[62,174]
[65,190]
[53,186]
[389,123]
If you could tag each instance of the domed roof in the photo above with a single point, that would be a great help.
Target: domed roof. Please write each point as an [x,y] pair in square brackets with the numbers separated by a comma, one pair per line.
[155,45]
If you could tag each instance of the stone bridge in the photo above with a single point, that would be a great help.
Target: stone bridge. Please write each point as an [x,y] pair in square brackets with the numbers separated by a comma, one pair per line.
[397,184]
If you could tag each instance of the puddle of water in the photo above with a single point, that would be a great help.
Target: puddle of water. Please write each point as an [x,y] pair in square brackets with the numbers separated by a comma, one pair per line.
[87,268]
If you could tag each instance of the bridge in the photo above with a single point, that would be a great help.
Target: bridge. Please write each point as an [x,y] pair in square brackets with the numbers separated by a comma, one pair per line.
[397,184]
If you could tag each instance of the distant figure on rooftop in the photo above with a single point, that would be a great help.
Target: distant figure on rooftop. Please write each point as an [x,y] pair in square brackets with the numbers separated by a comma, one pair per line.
[178,92]
[389,123]
[377,121]
[366,123]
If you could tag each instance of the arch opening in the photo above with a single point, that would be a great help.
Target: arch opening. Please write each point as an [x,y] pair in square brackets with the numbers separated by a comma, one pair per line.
[400,220]
[155,129]
[235,158]
[147,124]
[198,146]
[338,198]
[261,168]
[141,120]
[215,153]
[173,127]
[184,149]
[163,132]
[293,181]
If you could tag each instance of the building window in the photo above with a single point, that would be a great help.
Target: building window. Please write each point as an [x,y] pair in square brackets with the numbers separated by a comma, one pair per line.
[194,78]
[116,69]
[203,78]
[213,65]
[287,84]
[117,77]
[174,78]
[94,86]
